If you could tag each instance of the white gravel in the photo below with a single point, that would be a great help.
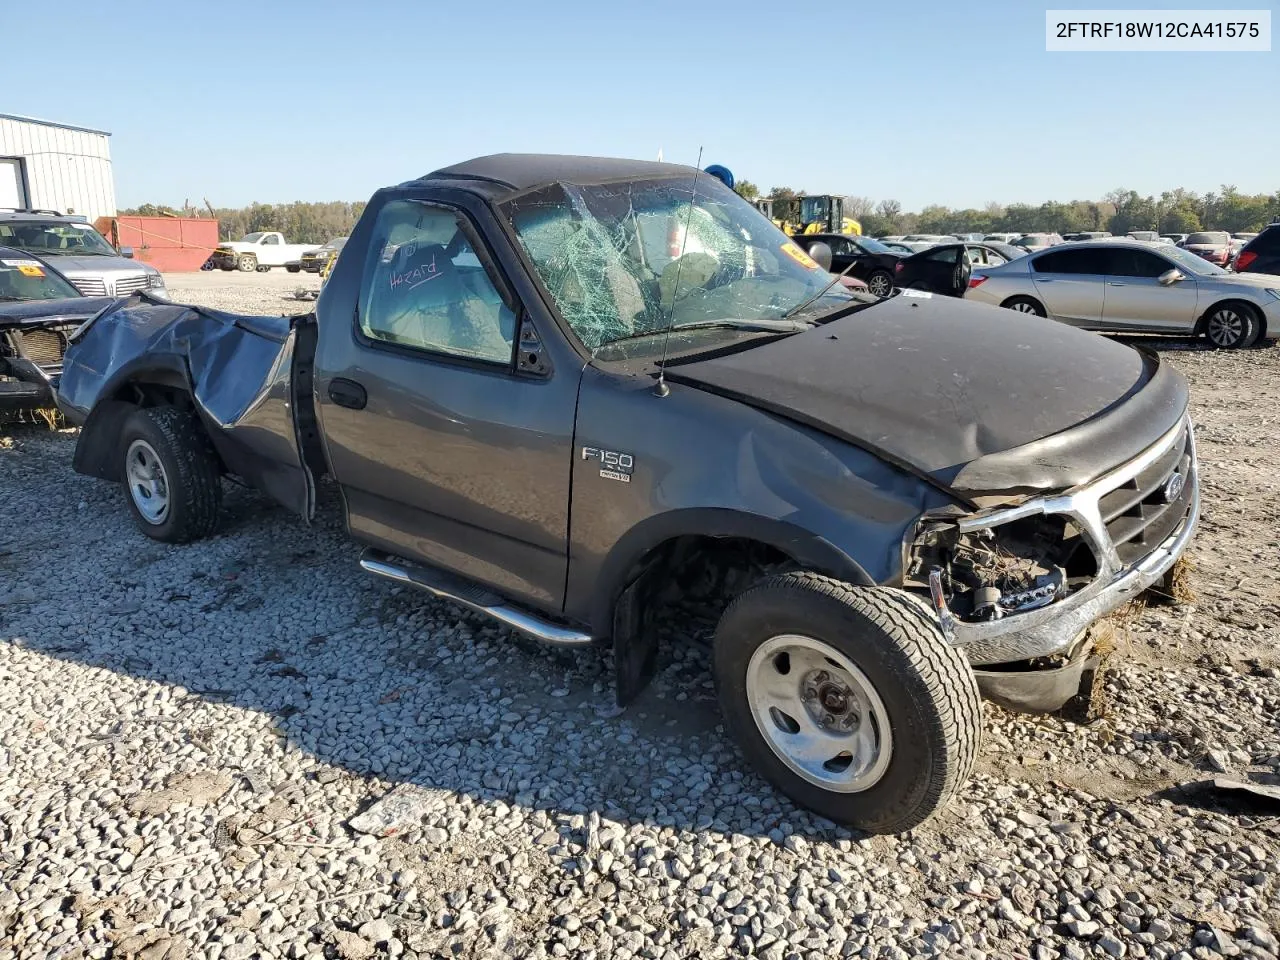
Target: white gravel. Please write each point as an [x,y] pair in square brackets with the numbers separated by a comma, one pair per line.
[186,732]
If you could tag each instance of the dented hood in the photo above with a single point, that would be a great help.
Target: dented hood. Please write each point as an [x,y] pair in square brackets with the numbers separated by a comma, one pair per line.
[979,399]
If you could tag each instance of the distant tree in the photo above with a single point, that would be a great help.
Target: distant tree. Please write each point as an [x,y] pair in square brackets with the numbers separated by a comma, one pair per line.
[747,189]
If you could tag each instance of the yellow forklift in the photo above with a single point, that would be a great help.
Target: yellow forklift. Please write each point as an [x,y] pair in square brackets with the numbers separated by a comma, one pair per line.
[824,213]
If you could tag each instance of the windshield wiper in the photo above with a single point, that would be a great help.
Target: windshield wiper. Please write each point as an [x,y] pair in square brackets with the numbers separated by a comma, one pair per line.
[764,326]
[821,293]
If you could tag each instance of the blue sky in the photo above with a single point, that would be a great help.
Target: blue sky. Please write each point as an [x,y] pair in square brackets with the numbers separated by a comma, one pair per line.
[947,102]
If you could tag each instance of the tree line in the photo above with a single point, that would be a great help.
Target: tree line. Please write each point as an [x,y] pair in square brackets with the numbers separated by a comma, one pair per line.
[299,222]
[1174,211]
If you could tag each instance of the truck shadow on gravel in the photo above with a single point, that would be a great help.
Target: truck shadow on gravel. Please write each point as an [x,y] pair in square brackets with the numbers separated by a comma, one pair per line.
[357,674]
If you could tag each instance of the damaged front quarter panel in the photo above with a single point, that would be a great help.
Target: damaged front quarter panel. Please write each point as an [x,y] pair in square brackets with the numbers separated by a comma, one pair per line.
[233,371]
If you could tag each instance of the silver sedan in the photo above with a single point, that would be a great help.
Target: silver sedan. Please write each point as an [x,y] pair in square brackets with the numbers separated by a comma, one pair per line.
[1131,285]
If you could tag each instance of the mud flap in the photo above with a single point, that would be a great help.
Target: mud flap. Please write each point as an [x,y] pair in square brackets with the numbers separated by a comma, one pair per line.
[635,641]
[1070,686]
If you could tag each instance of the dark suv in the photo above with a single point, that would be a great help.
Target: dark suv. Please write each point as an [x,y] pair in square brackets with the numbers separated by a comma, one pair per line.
[1262,253]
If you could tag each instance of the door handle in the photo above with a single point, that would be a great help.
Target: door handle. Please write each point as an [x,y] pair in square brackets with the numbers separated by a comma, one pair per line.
[1114,283]
[1044,279]
[347,393]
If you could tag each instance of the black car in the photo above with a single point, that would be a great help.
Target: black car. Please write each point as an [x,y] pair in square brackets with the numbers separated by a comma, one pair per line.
[945,269]
[873,262]
[39,309]
[1262,253]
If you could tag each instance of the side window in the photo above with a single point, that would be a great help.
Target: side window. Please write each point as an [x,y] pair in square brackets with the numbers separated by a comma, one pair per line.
[1135,263]
[945,254]
[424,287]
[271,238]
[1068,261]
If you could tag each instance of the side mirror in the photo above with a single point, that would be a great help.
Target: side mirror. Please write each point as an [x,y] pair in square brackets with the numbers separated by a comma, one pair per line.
[1170,277]
[126,252]
[821,253]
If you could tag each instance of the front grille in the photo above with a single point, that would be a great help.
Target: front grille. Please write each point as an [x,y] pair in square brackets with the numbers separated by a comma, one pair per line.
[130,284]
[1138,514]
[92,287]
[44,347]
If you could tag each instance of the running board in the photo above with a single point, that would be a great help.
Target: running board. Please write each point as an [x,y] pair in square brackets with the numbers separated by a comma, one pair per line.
[473,597]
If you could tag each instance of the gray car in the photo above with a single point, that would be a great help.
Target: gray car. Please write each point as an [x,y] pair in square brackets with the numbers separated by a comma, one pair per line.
[1131,285]
[81,254]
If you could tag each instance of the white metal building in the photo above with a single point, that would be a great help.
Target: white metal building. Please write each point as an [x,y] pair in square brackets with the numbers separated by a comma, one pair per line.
[55,166]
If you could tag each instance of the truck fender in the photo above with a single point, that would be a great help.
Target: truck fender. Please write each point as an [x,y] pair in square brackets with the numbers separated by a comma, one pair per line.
[621,607]
[100,434]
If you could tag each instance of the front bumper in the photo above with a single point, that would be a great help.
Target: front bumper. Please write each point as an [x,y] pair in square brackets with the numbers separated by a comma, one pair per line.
[1052,630]
[313,265]
[18,395]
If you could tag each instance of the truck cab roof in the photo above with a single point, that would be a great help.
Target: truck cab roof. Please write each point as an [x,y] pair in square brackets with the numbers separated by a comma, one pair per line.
[502,175]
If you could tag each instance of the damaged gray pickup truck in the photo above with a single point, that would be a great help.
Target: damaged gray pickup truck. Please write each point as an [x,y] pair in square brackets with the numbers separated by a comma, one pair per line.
[564,391]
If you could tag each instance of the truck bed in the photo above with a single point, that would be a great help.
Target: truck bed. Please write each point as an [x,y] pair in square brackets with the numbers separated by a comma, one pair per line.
[238,370]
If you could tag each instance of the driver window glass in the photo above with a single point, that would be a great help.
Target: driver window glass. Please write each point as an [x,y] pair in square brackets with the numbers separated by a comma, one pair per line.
[945,255]
[425,288]
[1135,263]
[270,238]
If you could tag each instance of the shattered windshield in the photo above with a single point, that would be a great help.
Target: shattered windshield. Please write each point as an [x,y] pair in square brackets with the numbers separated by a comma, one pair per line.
[623,261]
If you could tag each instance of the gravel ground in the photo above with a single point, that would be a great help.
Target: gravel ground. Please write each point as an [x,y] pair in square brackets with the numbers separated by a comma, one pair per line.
[185,734]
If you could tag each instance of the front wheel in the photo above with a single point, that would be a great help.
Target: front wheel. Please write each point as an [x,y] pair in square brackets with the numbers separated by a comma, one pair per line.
[248,263]
[171,474]
[1232,326]
[880,283]
[848,699]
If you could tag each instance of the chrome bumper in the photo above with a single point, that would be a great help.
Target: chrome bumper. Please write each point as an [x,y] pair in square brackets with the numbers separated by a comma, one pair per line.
[1051,630]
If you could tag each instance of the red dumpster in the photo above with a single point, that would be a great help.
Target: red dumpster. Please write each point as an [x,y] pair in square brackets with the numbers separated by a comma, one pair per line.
[170,244]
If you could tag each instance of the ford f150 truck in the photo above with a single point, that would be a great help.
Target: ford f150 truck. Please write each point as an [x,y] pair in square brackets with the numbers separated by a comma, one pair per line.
[535,405]
[257,251]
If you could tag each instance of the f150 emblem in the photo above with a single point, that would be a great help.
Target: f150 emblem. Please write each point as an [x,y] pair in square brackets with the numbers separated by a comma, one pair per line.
[1172,488]
[613,465]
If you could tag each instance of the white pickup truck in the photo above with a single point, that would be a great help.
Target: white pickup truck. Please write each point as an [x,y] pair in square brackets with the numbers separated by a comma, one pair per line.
[257,251]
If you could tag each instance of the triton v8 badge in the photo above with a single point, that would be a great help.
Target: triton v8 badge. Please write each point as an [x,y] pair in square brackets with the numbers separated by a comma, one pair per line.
[613,465]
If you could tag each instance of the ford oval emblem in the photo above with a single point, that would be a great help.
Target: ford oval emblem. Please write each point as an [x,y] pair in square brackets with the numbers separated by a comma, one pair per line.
[1172,488]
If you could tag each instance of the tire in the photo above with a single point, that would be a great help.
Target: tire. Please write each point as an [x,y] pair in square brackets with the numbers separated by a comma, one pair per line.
[1232,326]
[880,283]
[247,263]
[918,692]
[292,269]
[179,501]
[263,268]
[1028,305]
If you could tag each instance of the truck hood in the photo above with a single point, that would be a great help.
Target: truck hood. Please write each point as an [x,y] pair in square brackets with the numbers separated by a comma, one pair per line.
[95,266]
[40,312]
[975,398]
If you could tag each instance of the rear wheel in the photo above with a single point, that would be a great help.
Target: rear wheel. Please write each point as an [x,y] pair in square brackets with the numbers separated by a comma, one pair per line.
[171,474]
[848,699]
[880,283]
[1232,326]
[247,263]
[292,267]
[1027,305]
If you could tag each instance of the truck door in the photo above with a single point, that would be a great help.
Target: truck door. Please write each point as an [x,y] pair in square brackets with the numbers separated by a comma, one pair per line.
[447,447]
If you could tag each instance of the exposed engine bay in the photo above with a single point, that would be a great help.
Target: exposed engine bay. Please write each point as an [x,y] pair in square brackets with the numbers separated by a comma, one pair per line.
[985,575]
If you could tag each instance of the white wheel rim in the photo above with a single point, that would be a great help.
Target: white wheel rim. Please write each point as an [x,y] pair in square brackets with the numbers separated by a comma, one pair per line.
[1023,307]
[148,484]
[879,285]
[819,713]
[1226,327]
